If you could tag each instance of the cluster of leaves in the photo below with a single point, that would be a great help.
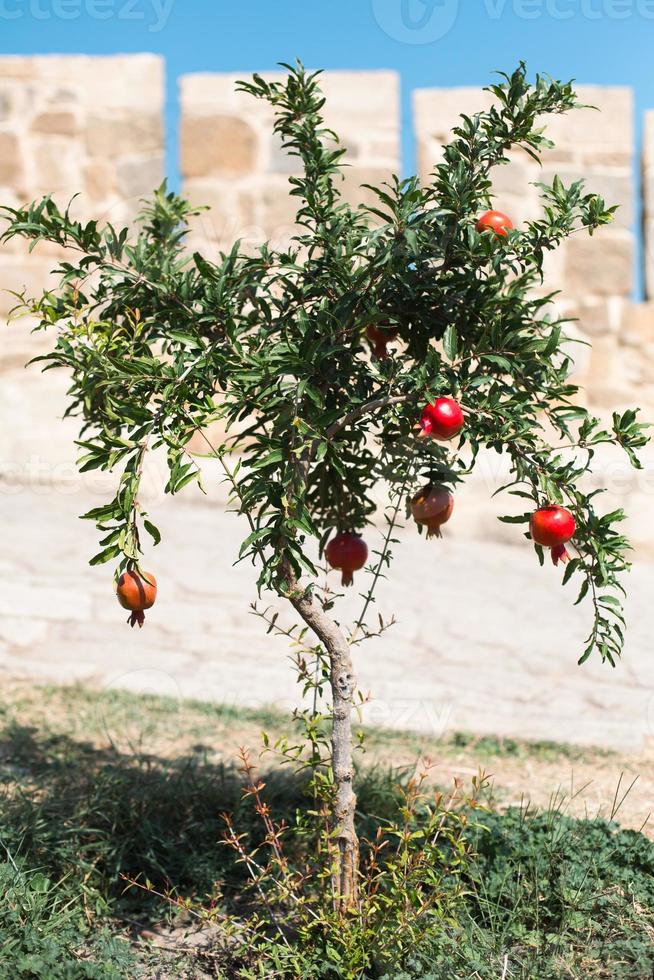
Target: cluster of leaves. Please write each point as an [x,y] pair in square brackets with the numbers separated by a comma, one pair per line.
[160,343]
[416,859]
[449,892]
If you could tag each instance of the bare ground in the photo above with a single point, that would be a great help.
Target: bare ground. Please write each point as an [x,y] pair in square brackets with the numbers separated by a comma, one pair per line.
[579,780]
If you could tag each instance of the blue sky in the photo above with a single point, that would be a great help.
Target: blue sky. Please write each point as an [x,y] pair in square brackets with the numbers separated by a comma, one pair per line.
[430,42]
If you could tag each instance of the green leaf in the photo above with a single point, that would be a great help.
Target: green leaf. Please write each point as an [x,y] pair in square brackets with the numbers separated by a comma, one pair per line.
[450,342]
[106,555]
[152,531]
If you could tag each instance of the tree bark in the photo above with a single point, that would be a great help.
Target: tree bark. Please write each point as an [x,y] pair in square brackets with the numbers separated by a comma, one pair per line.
[343,686]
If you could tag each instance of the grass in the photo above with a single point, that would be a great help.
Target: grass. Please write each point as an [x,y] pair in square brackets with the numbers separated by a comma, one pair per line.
[101,786]
[140,722]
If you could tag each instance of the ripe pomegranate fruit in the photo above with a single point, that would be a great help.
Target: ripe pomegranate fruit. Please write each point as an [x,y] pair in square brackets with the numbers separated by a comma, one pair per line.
[380,337]
[347,552]
[441,420]
[432,506]
[137,593]
[495,221]
[551,527]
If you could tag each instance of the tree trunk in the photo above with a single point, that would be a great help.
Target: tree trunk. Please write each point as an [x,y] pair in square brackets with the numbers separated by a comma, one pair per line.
[343,685]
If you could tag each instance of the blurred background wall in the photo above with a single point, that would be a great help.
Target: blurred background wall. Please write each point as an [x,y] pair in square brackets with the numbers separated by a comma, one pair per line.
[93,126]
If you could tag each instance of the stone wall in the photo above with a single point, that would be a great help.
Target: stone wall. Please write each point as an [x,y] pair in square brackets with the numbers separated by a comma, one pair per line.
[648,201]
[595,276]
[94,125]
[69,125]
[232,161]
[77,125]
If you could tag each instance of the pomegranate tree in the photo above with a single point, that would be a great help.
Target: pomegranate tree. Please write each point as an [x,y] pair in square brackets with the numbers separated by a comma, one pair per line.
[277,344]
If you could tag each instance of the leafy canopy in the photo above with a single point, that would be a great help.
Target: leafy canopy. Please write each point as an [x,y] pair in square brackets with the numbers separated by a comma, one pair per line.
[160,343]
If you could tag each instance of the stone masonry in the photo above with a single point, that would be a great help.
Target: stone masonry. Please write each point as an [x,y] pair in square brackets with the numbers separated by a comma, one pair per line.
[595,276]
[232,161]
[91,126]
[77,125]
[648,200]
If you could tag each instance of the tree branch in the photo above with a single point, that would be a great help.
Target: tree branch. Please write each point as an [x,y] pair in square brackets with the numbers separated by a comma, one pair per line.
[366,409]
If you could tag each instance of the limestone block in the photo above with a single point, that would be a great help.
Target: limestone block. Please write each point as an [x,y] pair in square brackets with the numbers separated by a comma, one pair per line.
[554,271]
[231,159]
[352,97]
[437,111]
[11,163]
[377,94]
[139,176]
[119,133]
[583,138]
[280,160]
[218,144]
[354,177]
[208,93]
[278,212]
[56,166]
[361,105]
[578,351]
[648,201]
[58,123]
[601,265]
[516,177]
[105,82]
[607,382]
[648,138]
[99,180]
[231,214]
[22,274]
[601,134]
[637,327]
[5,105]
[597,317]
[520,207]
[16,67]
[18,343]
[558,154]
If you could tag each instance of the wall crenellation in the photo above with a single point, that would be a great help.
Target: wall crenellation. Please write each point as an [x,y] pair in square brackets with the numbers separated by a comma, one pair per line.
[232,160]
[594,276]
[95,125]
[70,125]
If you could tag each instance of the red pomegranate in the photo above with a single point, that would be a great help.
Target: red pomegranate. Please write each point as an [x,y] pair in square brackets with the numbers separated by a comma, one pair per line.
[442,420]
[495,221]
[432,506]
[136,592]
[551,527]
[347,552]
[380,337]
